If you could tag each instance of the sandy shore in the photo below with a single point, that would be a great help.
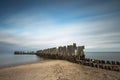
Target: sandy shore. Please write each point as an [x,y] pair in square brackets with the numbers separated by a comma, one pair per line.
[56,70]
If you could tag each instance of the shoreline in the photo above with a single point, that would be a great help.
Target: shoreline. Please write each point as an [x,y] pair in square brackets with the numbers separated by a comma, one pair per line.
[56,70]
[15,65]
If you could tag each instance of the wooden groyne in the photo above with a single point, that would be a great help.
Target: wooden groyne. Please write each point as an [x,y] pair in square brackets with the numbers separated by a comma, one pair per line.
[108,65]
[76,54]
[26,53]
[63,52]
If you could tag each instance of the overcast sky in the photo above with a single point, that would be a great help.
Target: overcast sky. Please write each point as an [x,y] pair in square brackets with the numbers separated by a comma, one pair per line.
[39,24]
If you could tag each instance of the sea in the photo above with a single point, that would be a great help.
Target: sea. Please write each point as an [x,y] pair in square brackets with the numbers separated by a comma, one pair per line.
[9,60]
[111,56]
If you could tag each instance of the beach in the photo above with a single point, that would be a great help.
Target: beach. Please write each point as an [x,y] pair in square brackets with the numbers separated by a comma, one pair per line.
[56,70]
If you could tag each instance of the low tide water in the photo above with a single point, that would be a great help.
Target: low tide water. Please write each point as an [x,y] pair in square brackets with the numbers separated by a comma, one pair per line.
[13,60]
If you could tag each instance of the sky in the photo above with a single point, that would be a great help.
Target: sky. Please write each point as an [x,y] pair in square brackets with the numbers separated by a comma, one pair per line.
[39,24]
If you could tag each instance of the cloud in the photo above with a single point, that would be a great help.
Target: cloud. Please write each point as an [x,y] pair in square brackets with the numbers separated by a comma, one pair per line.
[66,34]
[9,48]
[93,24]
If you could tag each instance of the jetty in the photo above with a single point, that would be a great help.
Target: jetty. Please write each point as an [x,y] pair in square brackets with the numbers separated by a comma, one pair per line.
[74,54]
[23,52]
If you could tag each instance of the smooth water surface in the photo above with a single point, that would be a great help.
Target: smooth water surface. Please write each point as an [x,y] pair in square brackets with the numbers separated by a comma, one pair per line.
[112,56]
[11,59]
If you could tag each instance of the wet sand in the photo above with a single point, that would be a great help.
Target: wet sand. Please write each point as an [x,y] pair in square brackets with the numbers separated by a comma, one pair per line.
[56,70]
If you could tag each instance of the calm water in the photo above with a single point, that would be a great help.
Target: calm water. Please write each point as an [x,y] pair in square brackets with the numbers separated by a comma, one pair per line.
[112,56]
[11,59]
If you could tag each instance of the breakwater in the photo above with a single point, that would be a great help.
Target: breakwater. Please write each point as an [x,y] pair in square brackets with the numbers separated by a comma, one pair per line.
[63,52]
[23,52]
[76,54]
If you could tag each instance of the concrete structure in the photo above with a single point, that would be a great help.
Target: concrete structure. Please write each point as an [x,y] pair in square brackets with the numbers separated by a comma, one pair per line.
[70,50]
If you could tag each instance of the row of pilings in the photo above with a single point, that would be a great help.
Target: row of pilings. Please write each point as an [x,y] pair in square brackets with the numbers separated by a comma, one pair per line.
[69,52]
[71,58]
[100,64]
[74,54]
[23,52]
[108,65]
